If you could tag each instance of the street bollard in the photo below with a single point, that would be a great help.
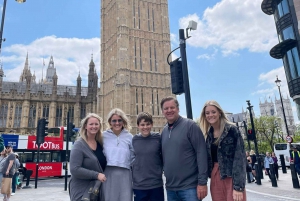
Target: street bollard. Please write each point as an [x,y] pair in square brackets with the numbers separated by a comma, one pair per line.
[283,167]
[248,177]
[294,176]
[258,181]
[28,174]
[272,175]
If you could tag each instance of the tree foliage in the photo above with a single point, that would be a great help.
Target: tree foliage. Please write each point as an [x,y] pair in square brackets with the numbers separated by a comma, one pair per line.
[268,132]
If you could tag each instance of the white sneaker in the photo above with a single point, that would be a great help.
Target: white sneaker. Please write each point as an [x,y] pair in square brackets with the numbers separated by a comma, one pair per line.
[12,194]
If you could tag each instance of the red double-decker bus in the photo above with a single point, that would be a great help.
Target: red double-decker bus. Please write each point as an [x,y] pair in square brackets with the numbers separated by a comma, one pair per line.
[52,151]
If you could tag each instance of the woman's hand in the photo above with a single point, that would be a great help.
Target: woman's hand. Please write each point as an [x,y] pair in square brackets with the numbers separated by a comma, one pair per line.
[101,177]
[237,196]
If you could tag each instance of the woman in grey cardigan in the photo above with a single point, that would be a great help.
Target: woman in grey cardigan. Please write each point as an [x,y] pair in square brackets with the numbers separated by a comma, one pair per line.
[87,161]
[117,144]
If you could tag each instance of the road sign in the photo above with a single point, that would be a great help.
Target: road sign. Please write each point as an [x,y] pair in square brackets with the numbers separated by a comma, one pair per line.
[289,139]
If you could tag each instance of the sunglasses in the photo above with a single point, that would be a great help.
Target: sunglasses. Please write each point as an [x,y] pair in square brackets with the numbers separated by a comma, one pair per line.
[117,120]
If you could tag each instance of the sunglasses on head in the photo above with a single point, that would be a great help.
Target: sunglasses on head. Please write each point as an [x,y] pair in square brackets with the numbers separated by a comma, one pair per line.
[117,120]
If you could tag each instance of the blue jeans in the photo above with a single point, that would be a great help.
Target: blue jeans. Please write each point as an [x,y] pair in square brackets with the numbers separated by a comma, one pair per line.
[155,194]
[14,183]
[183,195]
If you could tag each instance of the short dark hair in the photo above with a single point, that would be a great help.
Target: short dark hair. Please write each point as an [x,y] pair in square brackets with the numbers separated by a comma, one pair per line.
[146,116]
[169,98]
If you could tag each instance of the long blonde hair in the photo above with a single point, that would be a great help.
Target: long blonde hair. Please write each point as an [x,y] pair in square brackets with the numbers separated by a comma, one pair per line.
[205,126]
[119,112]
[83,132]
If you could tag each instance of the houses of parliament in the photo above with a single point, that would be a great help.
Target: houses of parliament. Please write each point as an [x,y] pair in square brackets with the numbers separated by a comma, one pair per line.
[25,101]
[135,43]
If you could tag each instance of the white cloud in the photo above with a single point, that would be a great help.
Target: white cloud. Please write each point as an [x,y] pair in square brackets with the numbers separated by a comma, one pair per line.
[70,56]
[270,77]
[208,56]
[233,25]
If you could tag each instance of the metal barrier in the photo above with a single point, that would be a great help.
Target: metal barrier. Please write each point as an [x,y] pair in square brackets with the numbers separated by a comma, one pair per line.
[283,167]
[272,175]
[258,176]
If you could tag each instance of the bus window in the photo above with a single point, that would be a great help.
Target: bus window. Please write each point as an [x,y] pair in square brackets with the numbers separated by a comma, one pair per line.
[280,147]
[25,157]
[56,157]
[54,132]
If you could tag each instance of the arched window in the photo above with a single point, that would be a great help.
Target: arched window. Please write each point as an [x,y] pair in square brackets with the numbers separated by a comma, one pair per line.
[18,113]
[58,116]
[3,115]
[32,116]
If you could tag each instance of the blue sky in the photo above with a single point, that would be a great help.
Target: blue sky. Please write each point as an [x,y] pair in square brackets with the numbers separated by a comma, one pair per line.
[228,55]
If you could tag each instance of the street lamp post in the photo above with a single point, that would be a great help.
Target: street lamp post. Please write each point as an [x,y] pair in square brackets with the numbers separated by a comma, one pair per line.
[2,20]
[277,81]
[259,174]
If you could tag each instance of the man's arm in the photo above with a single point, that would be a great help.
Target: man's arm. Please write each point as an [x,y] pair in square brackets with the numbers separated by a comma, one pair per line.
[11,162]
[198,143]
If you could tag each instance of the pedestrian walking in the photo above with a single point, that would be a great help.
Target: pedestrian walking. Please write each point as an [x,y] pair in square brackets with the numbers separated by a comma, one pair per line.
[249,164]
[147,166]
[117,143]
[8,173]
[16,166]
[226,154]
[253,161]
[295,157]
[267,162]
[184,155]
[2,162]
[87,161]
[275,160]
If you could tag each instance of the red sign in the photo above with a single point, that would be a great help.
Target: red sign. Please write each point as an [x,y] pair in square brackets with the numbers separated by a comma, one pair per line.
[51,143]
[46,169]
[289,139]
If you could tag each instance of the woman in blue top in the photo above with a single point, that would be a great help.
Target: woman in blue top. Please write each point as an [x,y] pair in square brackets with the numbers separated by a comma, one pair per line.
[268,160]
[117,144]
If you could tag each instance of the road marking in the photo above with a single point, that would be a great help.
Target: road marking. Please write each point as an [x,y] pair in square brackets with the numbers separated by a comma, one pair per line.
[277,196]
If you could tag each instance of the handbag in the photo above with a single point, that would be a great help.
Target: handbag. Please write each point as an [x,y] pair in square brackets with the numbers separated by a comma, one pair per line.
[92,192]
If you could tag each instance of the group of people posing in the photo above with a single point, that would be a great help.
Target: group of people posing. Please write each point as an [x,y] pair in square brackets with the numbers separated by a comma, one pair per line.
[132,166]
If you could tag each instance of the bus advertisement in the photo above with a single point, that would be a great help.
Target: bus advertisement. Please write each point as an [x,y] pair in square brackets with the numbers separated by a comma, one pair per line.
[52,151]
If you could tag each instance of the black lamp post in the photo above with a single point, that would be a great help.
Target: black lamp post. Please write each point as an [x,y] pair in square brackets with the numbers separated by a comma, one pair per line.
[2,21]
[259,174]
[277,81]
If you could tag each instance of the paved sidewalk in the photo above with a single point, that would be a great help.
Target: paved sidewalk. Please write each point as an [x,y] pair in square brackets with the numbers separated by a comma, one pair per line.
[285,187]
[284,191]
[41,194]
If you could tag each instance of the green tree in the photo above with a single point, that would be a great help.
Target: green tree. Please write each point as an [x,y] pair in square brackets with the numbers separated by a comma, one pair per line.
[267,132]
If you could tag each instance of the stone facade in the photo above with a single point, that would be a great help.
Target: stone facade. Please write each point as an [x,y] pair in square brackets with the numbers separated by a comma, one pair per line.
[23,103]
[135,43]
[267,109]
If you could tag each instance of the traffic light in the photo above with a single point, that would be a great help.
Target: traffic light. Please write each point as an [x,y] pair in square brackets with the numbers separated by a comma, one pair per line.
[250,134]
[176,77]
[71,132]
[42,131]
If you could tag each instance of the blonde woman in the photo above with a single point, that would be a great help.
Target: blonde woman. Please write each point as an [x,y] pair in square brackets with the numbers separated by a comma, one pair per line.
[87,161]
[117,143]
[226,154]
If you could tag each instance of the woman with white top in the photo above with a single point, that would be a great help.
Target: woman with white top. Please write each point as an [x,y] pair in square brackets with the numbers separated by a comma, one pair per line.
[117,145]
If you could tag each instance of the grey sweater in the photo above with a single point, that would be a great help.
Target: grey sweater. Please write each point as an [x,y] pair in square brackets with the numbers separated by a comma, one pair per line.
[147,166]
[84,168]
[184,155]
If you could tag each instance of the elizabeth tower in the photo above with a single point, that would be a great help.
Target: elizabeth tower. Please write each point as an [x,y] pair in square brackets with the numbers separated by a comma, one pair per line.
[135,43]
